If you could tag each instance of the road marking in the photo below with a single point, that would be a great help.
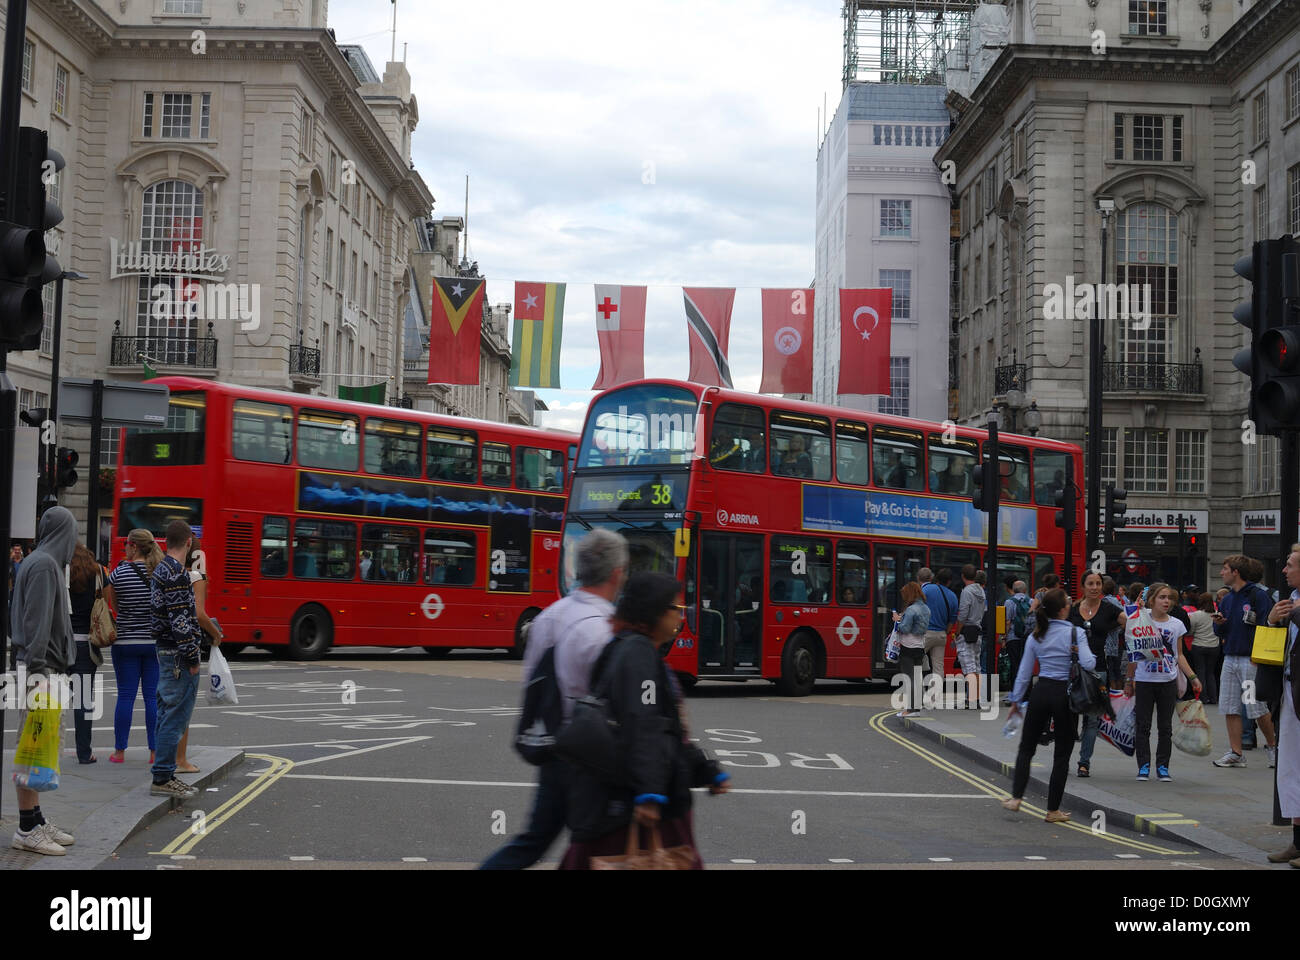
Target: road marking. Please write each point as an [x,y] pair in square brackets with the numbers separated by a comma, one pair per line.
[357,753]
[183,856]
[1128,856]
[1035,858]
[1193,866]
[415,859]
[320,743]
[744,861]
[192,726]
[877,723]
[301,859]
[297,707]
[835,860]
[184,843]
[941,859]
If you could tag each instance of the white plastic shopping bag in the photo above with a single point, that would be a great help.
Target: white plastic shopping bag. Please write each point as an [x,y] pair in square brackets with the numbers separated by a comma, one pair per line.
[892,646]
[1192,732]
[1120,732]
[221,685]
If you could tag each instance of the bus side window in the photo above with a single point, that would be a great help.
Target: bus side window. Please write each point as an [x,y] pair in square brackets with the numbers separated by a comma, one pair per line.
[275,546]
[898,459]
[324,551]
[450,557]
[452,456]
[738,440]
[496,464]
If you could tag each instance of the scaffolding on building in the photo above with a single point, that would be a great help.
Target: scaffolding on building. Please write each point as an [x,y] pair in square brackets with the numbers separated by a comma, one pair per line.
[904,41]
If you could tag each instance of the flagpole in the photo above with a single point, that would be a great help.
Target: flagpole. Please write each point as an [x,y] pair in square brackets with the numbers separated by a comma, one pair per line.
[393,58]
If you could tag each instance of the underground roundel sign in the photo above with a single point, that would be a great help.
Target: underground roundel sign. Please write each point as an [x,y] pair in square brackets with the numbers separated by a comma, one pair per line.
[848,631]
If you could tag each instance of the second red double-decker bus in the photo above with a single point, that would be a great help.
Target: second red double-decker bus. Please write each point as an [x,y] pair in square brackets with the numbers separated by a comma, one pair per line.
[330,523]
[793,526]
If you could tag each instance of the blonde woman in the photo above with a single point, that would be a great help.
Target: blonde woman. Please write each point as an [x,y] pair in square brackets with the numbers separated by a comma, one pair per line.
[135,658]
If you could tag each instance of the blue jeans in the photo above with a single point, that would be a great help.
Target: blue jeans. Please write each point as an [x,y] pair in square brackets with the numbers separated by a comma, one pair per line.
[1091,726]
[133,663]
[545,824]
[177,688]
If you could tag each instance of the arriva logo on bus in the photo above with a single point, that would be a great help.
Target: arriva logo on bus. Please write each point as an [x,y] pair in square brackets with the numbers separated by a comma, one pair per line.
[746,519]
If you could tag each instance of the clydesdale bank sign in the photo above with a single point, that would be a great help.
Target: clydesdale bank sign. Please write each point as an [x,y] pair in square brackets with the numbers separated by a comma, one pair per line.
[188,283]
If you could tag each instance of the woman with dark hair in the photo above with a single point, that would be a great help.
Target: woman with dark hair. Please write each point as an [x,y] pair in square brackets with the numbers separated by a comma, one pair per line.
[660,766]
[1204,653]
[1050,647]
[135,658]
[1098,619]
[83,584]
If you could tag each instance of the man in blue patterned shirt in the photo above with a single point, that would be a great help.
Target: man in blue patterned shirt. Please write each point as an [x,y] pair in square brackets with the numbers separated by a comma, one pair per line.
[176,633]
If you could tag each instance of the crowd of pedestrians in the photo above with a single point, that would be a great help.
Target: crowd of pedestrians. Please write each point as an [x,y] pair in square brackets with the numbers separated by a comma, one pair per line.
[155,651]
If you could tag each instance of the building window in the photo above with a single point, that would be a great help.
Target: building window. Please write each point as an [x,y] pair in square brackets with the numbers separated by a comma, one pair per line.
[177,114]
[1176,139]
[1189,461]
[900,281]
[193,7]
[992,265]
[352,280]
[343,265]
[1148,137]
[977,208]
[374,293]
[1148,17]
[1119,136]
[60,90]
[29,64]
[899,403]
[109,444]
[177,119]
[147,127]
[895,218]
[1018,159]
[1262,466]
[1146,255]
[1108,454]
[1292,87]
[1146,461]
[1293,195]
[304,242]
[334,173]
[990,185]
[47,325]
[329,255]
[1261,212]
[307,147]
[171,222]
[979,277]
[205,116]
[364,302]
[1261,118]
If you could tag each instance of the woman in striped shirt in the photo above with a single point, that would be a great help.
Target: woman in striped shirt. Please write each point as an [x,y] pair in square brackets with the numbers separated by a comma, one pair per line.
[135,658]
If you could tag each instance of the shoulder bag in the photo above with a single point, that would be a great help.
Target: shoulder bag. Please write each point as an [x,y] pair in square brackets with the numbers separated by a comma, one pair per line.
[103,625]
[591,737]
[1087,692]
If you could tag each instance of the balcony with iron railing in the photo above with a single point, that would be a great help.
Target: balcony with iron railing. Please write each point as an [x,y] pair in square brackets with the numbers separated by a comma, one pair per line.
[1153,376]
[304,362]
[192,353]
[1013,376]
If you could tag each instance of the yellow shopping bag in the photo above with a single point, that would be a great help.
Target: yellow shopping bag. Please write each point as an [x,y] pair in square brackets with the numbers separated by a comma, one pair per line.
[1269,644]
[36,760]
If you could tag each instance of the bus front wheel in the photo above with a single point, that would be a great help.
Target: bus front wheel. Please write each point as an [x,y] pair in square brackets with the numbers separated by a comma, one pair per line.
[438,653]
[521,633]
[798,666]
[311,633]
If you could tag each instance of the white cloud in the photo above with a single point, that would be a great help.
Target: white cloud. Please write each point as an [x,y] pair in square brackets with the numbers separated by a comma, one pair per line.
[555,110]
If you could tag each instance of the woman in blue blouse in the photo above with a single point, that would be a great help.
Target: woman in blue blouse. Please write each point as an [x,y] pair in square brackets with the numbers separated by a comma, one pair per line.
[1048,646]
[911,625]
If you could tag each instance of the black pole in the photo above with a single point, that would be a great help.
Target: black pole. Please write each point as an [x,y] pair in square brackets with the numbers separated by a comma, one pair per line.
[993,472]
[1289,451]
[1092,505]
[92,504]
[51,454]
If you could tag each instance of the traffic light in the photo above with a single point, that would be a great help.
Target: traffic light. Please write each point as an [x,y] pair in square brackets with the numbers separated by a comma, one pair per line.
[66,470]
[1116,508]
[25,266]
[1272,361]
[985,487]
[1067,514]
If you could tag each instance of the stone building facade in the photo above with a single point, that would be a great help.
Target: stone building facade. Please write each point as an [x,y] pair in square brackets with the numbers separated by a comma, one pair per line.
[1185,121]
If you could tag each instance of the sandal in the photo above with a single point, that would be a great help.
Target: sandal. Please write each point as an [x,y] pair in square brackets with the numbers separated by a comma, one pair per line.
[1011,803]
[1057,816]
[1083,770]
[189,769]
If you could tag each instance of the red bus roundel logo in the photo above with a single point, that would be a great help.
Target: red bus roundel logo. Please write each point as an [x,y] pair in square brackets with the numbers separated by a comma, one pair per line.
[722,518]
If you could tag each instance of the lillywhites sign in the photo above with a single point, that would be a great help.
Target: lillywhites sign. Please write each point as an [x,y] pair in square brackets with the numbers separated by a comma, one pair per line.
[131,260]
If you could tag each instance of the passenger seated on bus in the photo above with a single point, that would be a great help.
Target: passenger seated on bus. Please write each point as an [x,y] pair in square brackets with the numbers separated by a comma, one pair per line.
[848,595]
[799,591]
[725,452]
[780,591]
[754,460]
[367,561]
[273,564]
[1013,487]
[1048,492]
[796,462]
[304,565]
[957,478]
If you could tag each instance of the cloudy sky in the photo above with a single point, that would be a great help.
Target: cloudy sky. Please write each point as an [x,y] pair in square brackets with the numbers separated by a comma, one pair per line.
[561,112]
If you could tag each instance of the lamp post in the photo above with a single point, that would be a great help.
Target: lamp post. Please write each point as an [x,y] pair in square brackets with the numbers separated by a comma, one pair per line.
[1105,206]
[51,454]
[1033,419]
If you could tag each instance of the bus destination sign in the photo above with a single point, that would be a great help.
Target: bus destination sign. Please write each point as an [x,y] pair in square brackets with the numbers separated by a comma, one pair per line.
[637,491]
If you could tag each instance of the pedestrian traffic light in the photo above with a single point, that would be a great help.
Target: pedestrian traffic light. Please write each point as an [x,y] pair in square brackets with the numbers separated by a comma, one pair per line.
[1067,514]
[1279,346]
[27,266]
[66,472]
[984,478]
[1116,508]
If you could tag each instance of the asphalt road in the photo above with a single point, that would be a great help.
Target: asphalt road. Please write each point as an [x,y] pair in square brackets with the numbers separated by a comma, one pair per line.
[395,760]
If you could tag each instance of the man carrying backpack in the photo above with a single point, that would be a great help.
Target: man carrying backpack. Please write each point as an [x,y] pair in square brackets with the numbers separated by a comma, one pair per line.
[1017,607]
[564,643]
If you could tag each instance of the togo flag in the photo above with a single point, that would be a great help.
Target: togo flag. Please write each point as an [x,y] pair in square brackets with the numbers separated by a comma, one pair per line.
[539,328]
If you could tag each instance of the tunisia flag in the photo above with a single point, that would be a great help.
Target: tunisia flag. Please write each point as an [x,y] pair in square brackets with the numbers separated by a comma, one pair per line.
[787,341]
[620,331]
[864,341]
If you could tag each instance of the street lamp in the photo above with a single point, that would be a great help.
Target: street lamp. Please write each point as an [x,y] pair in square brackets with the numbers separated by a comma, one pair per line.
[1106,207]
[1033,419]
[51,466]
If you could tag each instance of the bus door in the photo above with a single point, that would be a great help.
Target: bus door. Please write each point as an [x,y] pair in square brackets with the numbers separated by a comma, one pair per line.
[895,566]
[730,597]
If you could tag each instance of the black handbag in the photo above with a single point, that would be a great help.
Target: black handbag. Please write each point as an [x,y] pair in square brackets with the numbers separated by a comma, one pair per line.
[591,740]
[1087,690]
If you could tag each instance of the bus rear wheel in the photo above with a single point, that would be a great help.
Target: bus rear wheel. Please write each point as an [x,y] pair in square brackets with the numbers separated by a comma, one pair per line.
[310,633]
[798,667]
[438,653]
[521,633]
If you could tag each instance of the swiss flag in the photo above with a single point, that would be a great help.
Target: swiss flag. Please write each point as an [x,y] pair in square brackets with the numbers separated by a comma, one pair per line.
[787,341]
[864,341]
[620,330]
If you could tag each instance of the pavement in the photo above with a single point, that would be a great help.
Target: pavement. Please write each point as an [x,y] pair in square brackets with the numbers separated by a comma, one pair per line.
[103,804]
[1226,811]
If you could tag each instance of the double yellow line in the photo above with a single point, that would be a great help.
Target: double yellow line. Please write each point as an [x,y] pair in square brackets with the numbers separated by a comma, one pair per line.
[877,723]
[183,844]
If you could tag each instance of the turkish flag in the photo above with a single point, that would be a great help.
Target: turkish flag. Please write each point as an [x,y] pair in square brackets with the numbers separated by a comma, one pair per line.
[708,325]
[620,331]
[787,341]
[864,341]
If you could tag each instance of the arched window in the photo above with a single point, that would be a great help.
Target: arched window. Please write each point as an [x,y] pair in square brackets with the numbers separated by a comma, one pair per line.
[171,223]
[1146,256]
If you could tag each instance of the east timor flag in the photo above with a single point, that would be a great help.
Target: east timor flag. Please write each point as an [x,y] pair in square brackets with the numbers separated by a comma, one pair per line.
[455,326]
[539,327]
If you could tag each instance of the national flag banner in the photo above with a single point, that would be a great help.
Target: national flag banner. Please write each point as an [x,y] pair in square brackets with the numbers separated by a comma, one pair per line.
[620,331]
[865,317]
[371,393]
[455,329]
[539,328]
[787,341]
[708,325]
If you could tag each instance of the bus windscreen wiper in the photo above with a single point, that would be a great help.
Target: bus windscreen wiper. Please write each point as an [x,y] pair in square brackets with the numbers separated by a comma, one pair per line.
[585,525]
[617,519]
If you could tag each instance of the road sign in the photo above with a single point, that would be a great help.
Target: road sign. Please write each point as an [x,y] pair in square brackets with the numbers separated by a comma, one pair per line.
[1131,560]
[125,404]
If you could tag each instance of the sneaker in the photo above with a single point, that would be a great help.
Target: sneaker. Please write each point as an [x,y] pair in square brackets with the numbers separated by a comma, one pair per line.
[61,837]
[910,713]
[1230,759]
[1272,757]
[1144,772]
[37,840]
[1163,774]
[173,788]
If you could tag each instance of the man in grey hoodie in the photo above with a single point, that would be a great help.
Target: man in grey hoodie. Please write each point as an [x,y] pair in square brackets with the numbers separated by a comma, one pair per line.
[41,624]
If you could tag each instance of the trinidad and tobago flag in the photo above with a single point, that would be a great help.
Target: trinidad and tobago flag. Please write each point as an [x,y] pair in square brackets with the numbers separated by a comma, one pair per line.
[708,324]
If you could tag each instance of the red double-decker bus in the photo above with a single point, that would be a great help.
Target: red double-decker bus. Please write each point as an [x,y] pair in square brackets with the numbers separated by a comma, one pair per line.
[329,523]
[793,525]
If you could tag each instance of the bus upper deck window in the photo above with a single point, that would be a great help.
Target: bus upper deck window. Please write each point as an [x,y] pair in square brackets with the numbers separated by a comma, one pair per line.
[898,461]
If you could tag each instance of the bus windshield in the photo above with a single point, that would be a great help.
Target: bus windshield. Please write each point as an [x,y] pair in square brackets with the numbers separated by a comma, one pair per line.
[650,546]
[178,444]
[652,424]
